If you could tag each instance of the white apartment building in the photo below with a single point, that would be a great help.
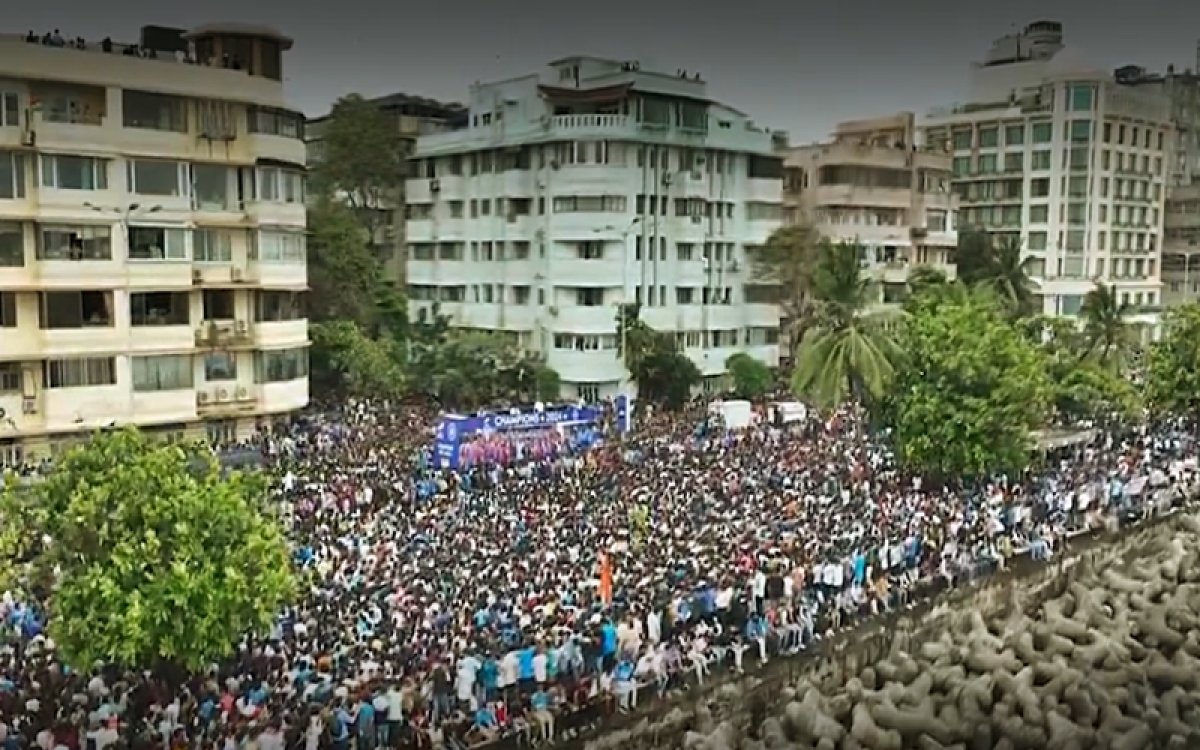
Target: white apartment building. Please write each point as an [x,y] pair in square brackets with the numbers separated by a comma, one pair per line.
[872,186]
[152,247]
[591,184]
[1067,159]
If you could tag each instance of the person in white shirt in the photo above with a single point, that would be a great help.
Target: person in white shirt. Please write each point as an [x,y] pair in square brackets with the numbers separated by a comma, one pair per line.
[510,667]
[541,664]
[653,627]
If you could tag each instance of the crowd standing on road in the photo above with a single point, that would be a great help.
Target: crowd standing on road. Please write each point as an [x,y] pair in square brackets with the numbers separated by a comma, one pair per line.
[519,597]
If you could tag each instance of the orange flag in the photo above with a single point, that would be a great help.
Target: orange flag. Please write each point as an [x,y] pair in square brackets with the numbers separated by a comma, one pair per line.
[606,578]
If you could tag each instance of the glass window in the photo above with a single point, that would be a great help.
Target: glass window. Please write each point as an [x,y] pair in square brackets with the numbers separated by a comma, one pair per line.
[8,309]
[1081,98]
[213,187]
[278,306]
[220,366]
[10,110]
[280,366]
[962,166]
[1080,131]
[156,177]
[1043,132]
[142,109]
[79,373]
[86,309]
[962,139]
[278,185]
[989,137]
[74,243]
[1079,157]
[272,121]
[987,163]
[12,175]
[160,308]
[1014,135]
[74,172]
[212,245]
[157,243]
[281,247]
[169,373]
[218,304]
[1040,159]
[12,244]
[1037,241]
[589,203]
[1039,214]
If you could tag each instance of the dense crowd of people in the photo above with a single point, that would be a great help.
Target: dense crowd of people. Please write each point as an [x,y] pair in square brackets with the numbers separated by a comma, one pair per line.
[514,596]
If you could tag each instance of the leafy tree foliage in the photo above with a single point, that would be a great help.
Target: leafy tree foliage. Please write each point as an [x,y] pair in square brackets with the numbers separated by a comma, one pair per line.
[1173,366]
[849,352]
[343,272]
[156,559]
[970,392]
[362,160]
[664,374]
[344,357]
[787,261]
[752,378]
[1109,338]
[983,260]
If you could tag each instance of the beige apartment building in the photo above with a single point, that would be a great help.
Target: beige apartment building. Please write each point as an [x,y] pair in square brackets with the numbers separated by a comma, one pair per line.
[152,237]
[872,185]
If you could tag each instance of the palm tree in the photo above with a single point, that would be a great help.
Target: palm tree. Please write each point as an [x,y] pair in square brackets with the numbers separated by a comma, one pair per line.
[846,353]
[1105,330]
[1009,275]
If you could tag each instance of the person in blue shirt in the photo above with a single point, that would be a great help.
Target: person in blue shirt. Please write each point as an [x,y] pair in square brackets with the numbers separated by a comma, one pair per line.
[525,668]
[365,719]
[485,726]
[543,717]
[608,643]
[625,685]
[489,678]
[339,728]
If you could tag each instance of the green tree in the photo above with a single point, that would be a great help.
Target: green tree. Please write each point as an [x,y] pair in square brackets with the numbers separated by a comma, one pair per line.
[752,379]
[156,559]
[343,272]
[787,262]
[361,161]
[983,260]
[345,358]
[923,278]
[1109,337]
[849,352]
[1173,366]
[463,369]
[971,391]
[664,374]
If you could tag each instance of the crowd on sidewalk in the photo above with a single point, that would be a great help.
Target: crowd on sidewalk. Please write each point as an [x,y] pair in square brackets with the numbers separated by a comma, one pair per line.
[453,609]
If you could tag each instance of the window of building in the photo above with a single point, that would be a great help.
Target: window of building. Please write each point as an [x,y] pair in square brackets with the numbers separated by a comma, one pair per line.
[220,366]
[760,211]
[10,110]
[164,373]
[685,295]
[589,204]
[271,307]
[154,177]
[160,308]
[82,372]
[1081,97]
[1014,162]
[213,187]
[1014,135]
[989,136]
[589,297]
[279,185]
[8,310]
[218,304]
[275,121]
[1039,188]
[74,172]
[1043,132]
[962,166]
[1079,131]
[12,244]
[12,175]
[142,109]
[281,247]
[83,309]
[961,139]
[157,243]
[1039,214]
[281,365]
[1079,157]
[212,245]
[1069,304]
[589,250]
[10,379]
[1037,241]
[74,243]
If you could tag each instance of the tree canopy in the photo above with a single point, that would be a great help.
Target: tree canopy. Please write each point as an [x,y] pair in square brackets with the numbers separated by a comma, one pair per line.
[787,262]
[983,260]
[1173,365]
[971,392]
[664,374]
[148,555]
[848,352]
[751,378]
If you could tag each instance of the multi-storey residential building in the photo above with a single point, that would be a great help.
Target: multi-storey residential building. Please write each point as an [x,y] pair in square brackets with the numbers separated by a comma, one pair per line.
[151,237]
[871,185]
[1181,221]
[1070,161]
[413,116]
[592,184]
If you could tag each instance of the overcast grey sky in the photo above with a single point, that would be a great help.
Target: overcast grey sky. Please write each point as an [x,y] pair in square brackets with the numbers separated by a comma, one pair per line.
[795,66]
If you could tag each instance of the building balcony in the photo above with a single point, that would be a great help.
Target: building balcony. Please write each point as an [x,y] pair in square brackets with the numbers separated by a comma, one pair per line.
[223,334]
[277,148]
[280,334]
[599,366]
[865,196]
[272,214]
[590,273]
[226,401]
[84,409]
[581,318]
[278,398]
[86,340]
[167,338]
[277,275]
[763,191]
[163,407]
[160,275]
